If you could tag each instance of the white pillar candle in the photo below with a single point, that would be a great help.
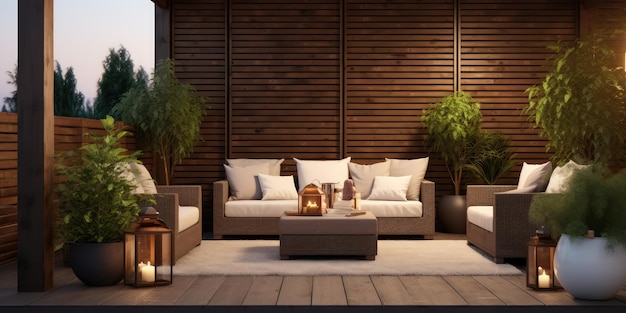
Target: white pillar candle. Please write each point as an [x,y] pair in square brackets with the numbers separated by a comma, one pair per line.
[147,273]
[544,279]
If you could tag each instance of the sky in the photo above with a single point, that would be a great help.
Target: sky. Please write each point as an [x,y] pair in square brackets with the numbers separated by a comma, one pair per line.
[84,32]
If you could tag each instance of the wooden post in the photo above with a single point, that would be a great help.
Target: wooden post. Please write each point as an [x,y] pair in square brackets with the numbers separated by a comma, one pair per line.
[162,50]
[35,109]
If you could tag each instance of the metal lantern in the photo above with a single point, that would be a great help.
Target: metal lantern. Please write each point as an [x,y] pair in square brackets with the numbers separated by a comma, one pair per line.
[540,261]
[148,253]
[311,200]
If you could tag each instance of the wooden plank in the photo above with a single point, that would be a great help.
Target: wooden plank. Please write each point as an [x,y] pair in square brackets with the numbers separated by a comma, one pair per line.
[509,293]
[201,290]
[360,290]
[232,291]
[391,291]
[328,290]
[168,295]
[431,290]
[264,291]
[472,291]
[296,290]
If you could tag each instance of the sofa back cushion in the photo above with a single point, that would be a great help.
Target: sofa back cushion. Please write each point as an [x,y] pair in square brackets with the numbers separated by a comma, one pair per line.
[243,182]
[414,167]
[363,175]
[274,164]
[322,171]
[534,176]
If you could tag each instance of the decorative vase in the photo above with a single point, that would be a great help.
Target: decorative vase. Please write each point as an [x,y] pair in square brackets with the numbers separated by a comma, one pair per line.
[97,264]
[452,213]
[588,269]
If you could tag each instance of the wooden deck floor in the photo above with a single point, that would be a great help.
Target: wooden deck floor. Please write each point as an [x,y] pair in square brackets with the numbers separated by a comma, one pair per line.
[299,294]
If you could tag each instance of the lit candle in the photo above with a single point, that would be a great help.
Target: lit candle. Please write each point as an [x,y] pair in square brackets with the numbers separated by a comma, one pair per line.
[147,273]
[312,205]
[544,279]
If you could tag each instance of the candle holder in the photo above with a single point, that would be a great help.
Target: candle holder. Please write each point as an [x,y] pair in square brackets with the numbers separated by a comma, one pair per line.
[540,262]
[311,201]
[148,252]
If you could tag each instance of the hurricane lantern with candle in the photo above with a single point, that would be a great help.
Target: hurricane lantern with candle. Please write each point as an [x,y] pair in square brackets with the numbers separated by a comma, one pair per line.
[148,252]
[311,200]
[540,261]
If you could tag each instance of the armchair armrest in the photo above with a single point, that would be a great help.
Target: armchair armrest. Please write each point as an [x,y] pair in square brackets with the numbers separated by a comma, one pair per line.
[167,205]
[484,194]
[427,197]
[188,195]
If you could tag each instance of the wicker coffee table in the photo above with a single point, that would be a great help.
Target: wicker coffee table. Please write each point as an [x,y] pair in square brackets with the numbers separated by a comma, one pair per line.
[332,234]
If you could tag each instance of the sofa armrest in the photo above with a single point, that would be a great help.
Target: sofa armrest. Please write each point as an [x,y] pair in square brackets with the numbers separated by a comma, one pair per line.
[427,197]
[220,196]
[188,195]
[484,194]
[510,213]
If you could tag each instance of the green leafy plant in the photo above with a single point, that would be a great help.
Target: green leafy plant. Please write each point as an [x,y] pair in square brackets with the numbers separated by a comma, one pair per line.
[594,200]
[453,126]
[492,158]
[96,202]
[580,105]
[167,116]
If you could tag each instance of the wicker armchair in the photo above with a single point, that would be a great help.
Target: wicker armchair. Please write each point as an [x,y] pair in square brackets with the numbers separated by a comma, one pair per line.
[169,200]
[511,226]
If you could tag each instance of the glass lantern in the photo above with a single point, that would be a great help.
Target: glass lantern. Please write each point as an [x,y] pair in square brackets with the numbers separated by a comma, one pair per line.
[148,252]
[311,201]
[540,261]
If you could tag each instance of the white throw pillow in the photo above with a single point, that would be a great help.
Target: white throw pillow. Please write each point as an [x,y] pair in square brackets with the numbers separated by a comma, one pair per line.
[414,167]
[322,171]
[391,188]
[277,187]
[363,175]
[559,180]
[274,164]
[243,182]
[535,175]
[143,178]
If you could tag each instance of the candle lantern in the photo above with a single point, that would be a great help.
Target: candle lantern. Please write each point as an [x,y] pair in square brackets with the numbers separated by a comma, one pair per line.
[311,200]
[540,261]
[148,253]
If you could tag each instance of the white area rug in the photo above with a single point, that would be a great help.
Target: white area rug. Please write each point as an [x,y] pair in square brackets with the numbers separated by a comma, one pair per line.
[395,257]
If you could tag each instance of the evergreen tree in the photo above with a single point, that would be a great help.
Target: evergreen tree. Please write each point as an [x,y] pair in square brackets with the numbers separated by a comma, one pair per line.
[10,103]
[118,77]
[67,100]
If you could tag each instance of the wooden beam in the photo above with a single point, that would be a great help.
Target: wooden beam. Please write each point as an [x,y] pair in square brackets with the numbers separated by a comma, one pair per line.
[35,111]
[161,3]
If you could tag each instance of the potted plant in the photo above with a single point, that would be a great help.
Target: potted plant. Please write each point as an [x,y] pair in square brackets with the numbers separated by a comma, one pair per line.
[172,126]
[580,105]
[453,126]
[589,221]
[492,158]
[96,204]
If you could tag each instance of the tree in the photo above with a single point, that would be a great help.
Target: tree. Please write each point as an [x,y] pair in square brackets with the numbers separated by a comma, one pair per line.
[10,103]
[167,116]
[118,77]
[67,100]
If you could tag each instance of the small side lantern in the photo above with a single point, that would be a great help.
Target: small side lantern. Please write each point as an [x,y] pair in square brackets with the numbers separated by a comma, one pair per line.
[311,200]
[148,252]
[540,261]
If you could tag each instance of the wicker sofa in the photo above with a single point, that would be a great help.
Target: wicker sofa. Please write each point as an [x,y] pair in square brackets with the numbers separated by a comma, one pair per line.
[224,225]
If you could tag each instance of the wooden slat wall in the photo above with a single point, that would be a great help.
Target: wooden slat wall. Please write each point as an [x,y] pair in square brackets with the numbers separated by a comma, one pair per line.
[503,52]
[285,83]
[68,136]
[200,51]
[399,59]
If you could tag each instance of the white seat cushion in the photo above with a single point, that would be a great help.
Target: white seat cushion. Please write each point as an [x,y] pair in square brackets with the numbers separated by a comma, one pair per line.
[481,216]
[382,208]
[187,217]
[259,208]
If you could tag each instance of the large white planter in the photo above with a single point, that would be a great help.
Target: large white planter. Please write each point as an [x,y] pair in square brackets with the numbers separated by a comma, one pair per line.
[587,269]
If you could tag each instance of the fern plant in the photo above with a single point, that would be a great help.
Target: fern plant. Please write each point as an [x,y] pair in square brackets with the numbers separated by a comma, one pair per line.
[594,200]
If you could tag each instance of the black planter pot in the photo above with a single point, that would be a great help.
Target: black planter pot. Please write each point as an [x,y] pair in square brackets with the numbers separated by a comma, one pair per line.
[452,213]
[97,264]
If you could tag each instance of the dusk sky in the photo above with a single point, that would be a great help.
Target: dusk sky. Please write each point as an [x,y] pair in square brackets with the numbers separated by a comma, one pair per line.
[84,32]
